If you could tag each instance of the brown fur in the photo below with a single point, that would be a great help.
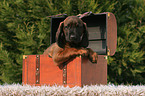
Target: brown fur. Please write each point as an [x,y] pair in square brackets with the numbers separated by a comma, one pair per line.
[71,41]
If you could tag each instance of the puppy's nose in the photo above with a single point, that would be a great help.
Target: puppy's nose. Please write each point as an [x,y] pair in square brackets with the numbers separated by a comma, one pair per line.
[72,37]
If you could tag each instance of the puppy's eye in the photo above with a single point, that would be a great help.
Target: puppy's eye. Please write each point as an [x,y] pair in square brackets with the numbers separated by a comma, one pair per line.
[66,27]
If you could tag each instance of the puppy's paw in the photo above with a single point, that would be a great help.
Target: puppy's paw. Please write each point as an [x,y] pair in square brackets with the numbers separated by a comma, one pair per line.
[83,52]
[93,57]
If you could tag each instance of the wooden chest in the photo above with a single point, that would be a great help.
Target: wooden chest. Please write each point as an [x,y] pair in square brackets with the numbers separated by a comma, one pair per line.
[102,29]
[40,70]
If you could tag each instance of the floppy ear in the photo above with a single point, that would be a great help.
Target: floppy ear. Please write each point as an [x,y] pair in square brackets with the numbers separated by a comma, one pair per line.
[60,37]
[85,42]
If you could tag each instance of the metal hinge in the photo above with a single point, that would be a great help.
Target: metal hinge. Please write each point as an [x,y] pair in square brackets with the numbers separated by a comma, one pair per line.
[108,54]
[108,15]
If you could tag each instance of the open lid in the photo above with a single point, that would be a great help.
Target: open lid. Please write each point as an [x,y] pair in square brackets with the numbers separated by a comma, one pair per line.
[111,34]
[102,30]
[97,29]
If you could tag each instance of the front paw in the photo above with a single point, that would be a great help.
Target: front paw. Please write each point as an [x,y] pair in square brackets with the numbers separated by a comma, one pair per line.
[93,57]
[83,52]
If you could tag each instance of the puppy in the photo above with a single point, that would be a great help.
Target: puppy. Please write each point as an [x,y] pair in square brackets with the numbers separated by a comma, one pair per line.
[71,41]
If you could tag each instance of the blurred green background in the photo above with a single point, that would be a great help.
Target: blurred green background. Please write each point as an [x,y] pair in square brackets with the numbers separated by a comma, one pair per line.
[25,29]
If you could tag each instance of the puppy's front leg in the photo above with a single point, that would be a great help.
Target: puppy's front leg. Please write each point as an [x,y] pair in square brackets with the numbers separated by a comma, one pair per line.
[64,55]
[93,56]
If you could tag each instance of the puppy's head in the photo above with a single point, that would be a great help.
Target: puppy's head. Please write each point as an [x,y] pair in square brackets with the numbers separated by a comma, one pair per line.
[74,31]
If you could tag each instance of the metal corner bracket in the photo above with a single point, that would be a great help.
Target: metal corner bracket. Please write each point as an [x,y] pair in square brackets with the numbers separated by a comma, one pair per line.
[24,56]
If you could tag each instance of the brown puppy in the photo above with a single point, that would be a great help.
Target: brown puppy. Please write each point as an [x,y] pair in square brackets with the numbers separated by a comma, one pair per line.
[71,41]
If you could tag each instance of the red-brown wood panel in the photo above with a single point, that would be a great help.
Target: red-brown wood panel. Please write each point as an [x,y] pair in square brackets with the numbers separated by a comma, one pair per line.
[74,72]
[94,73]
[31,69]
[49,72]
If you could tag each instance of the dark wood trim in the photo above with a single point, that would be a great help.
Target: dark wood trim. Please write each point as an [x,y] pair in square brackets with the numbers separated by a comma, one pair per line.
[37,69]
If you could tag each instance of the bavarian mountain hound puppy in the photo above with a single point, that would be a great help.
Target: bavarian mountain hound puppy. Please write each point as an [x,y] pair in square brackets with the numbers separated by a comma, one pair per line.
[71,41]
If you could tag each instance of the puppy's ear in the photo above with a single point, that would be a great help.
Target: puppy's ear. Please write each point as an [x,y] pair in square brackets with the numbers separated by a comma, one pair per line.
[85,41]
[60,37]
